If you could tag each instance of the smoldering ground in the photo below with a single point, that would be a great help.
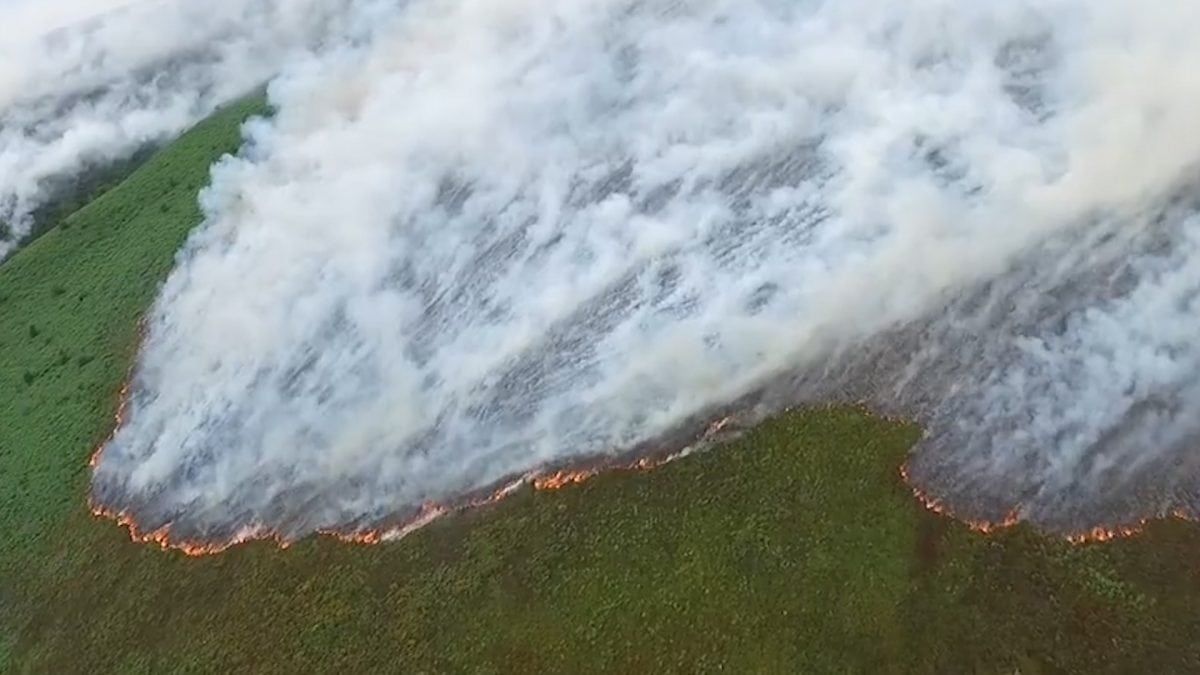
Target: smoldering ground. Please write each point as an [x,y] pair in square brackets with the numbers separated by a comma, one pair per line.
[487,236]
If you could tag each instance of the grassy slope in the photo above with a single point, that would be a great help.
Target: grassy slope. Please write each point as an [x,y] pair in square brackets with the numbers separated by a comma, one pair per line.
[76,192]
[794,548]
[68,309]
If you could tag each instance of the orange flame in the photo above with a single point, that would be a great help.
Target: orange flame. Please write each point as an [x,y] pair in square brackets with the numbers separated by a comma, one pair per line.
[555,480]
[1102,534]
[562,478]
[1093,535]
[937,506]
[428,512]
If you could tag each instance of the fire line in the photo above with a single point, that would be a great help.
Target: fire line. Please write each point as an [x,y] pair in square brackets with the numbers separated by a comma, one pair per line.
[541,481]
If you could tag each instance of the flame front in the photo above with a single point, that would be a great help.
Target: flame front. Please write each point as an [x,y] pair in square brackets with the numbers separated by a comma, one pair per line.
[541,481]
[1093,535]
[428,512]
[936,505]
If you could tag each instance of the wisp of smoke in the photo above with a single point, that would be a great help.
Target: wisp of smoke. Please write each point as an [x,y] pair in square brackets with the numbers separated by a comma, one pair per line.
[487,236]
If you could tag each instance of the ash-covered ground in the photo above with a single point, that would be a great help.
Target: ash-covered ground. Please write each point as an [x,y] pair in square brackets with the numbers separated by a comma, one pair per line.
[481,238]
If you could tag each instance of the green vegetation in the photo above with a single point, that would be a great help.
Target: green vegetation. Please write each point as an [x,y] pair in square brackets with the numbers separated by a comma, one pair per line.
[70,303]
[69,195]
[793,549]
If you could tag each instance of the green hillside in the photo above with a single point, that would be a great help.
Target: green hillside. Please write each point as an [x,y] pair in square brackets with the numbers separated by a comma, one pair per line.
[793,549]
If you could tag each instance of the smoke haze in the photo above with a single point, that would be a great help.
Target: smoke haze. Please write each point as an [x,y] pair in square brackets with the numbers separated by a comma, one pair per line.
[84,83]
[485,236]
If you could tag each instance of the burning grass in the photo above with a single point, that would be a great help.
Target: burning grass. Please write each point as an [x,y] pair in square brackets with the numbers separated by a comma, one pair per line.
[794,548]
[545,480]
[540,480]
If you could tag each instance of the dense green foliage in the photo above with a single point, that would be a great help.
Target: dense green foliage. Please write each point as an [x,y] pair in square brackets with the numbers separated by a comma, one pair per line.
[69,304]
[69,195]
[795,548]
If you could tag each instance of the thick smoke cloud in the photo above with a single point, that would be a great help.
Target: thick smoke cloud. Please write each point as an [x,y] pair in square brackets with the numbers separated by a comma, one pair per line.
[85,83]
[493,235]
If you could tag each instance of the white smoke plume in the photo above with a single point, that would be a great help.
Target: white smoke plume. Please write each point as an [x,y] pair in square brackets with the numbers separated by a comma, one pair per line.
[84,83]
[495,235]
